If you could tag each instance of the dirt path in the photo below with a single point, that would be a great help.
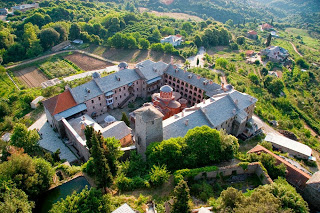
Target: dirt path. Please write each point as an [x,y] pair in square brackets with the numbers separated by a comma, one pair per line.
[295,49]
[64,51]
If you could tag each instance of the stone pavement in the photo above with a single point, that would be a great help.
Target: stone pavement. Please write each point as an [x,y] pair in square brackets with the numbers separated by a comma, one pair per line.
[50,139]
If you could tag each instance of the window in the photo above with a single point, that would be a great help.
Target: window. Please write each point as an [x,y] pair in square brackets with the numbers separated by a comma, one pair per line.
[191,87]
[152,122]
[100,104]
[166,81]
[99,98]
[120,96]
[115,92]
[182,83]
[137,89]
[92,101]
[125,94]
[93,107]
[120,90]
[170,77]
[178,81]
[174,79]
[124,88]
[116,98]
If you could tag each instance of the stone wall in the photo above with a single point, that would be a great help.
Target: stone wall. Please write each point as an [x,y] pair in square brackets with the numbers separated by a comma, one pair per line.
[76,140]
[253,168]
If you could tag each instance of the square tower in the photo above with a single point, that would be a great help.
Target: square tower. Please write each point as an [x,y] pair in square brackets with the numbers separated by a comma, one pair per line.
[148,127]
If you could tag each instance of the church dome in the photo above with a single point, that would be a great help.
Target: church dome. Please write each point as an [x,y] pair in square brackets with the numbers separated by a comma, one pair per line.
[109,119]
[96,75]
[123,65]
[166,88]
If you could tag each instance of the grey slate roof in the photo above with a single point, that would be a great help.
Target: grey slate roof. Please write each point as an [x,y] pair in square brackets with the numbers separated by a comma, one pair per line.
[148,113]
[71,111]
[175,127]
[111,82]
[210,89]
[150,70]
[117,129]
[212,113]
[81,94]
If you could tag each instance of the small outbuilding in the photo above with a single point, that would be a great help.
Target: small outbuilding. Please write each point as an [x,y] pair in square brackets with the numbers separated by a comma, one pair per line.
[77,41]
[35,103]
[292,147]
[124,208]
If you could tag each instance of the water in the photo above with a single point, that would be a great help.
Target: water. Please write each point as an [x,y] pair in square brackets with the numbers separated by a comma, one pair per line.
[50,197]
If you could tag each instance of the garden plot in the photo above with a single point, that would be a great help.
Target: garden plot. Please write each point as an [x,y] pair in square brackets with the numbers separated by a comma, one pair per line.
[30,76]
[86,62]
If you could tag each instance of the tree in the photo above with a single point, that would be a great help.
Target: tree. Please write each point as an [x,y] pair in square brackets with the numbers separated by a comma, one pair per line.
[198,61]
[241,40]
[158,47]
[88,132]
[231,197]
[125,119]
[129,42]
[181,200]
[33,176]
[229,145]
[13,199]
[187,26]
[86,201]
[23,138]
[229,23]
[167,31]
[144,43]
[302,63]
[203,141]
[112,152]
[168,48]
[222,63]
[155,36]
[48,38]
[159,175]
[264,71]
[62,31]
[253,78]
[101,167]
[75,31]
[275,87]
[4,108]
[6,38]
[198,41]
[117,40]
[268,42]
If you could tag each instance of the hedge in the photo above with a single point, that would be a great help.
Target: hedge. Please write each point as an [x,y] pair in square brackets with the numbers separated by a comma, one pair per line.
[191,173]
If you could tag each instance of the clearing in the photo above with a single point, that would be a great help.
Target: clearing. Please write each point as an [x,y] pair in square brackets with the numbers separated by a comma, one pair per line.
[181,16]
[30,76]
[132,56]
[86,62]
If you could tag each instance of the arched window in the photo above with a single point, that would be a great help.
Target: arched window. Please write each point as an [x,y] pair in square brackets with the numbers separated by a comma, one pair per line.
[182,83]
[191,87]
[170,77]
[178,81]
[174,79]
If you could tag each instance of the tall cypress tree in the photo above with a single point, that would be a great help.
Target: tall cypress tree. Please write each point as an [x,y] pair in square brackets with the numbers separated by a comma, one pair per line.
[101,167]
[181,198]
[268,41]
[125,119]
[89,132]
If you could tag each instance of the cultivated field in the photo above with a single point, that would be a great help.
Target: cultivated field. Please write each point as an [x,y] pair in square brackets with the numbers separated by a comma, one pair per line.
[132,56]
[30,76]
[182,16]
[86,62]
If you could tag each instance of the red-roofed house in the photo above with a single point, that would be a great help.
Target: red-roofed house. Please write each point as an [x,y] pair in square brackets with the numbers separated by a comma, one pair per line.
[59,106]
[266,26]
[252,34]
[294,176]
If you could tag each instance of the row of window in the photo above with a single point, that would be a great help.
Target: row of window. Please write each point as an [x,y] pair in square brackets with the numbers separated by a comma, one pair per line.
[182,83]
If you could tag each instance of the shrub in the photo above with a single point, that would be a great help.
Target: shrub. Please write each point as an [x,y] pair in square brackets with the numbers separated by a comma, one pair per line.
[159,175]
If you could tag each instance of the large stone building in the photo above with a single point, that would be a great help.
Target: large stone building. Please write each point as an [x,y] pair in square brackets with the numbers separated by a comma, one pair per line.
[231,111]
[120,88]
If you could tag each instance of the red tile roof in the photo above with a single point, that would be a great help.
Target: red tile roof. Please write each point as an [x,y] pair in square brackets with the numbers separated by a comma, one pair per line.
[294,175]
[266,26]
[249,52]
[252,32]
[60,103]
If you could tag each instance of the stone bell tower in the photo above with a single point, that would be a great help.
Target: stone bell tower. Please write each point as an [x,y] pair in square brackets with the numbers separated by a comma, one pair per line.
[148,127]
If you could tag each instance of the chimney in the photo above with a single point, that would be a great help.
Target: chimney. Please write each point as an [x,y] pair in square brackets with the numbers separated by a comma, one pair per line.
[186,122]
[195,105]
[171,62]
[211,99]
[67,87]
[176,116]
[176,70]
[236,102]
[204,101]
[190,76]
[251,99]
[234,111]
[198,76]
[83,118]
[185,69]
[222,85]
[182,113]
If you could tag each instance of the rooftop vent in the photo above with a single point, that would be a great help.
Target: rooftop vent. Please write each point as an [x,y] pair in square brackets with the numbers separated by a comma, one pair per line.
[198,76]
[88,90]
[205,82]
[190,76]
[118,78]
[186,122]
[154,69]
[236,102]
[251,99]
[182,113]
[234,111]
[176,70]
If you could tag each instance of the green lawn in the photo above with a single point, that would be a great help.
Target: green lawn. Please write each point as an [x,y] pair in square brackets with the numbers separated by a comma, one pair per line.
[309,41]
[6,85]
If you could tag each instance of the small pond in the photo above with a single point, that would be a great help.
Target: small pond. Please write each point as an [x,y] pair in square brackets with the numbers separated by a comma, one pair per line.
[50,197]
